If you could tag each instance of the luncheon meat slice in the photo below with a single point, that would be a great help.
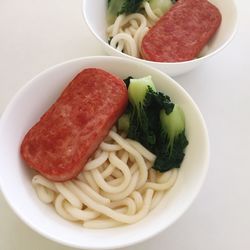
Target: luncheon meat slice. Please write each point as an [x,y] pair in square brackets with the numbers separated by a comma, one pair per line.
[182,32]
[70,131]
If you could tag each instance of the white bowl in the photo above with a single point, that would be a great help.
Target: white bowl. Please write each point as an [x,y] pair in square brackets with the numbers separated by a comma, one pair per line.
[95,18]
[15,178]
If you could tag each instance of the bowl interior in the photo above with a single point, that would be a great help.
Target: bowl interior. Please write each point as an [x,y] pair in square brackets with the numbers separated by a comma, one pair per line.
[95,19]
[15,178]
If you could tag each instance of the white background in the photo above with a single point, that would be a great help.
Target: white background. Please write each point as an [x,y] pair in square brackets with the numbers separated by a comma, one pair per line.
[36,34]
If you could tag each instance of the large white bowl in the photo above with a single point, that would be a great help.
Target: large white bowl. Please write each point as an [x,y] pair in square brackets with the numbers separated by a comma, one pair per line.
[94,13]
[15,178]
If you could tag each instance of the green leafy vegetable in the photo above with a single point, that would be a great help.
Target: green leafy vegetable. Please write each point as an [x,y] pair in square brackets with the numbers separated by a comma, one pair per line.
[153,120]
[163,5]
[172,142]
[131,6]
[117,7]
[140,92]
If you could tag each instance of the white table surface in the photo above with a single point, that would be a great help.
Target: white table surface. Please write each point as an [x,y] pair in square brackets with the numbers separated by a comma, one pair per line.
[36,34]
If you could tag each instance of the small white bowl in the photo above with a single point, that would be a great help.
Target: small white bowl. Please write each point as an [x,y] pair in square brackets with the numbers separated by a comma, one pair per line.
[94,13]
[15,178]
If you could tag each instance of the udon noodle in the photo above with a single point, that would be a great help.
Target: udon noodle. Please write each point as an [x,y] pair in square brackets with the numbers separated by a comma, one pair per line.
[117,186]
[128,31]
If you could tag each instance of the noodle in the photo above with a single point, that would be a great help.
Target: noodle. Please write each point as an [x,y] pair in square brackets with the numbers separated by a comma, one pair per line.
[150,12]
[116,187]
[127,32]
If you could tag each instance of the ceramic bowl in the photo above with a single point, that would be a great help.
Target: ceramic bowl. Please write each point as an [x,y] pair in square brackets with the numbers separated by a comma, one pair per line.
[35,98]
[95,19]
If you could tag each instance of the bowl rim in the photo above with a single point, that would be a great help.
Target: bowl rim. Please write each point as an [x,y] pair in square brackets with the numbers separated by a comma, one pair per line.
[152,63]
[152,233]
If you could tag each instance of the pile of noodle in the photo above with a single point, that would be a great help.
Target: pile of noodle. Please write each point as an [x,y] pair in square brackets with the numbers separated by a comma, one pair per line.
[128,31]
[117,186]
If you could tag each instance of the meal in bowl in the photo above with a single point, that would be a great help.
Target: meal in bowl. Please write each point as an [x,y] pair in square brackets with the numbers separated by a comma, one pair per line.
[162,31]
[106,154]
